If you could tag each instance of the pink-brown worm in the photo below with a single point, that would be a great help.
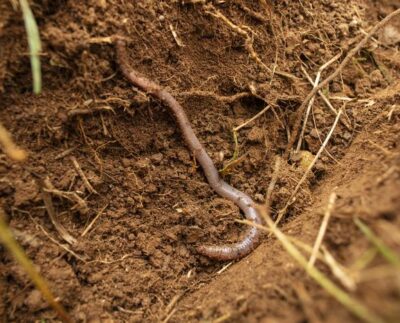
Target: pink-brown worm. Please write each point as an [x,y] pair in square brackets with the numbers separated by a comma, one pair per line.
[245,203]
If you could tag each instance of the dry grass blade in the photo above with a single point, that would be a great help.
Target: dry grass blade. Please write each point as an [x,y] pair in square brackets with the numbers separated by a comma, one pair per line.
[60,244]
[340,295]
[328,103]
[235,130]
[78,112]
[18,253]
[291,198]
[274,179]
[81,204]
[324,83]
[386,252]
[52,214]
[222,98]
[80,172]
[247,33]
[87,229]
[252,118]
[311,102]
[321,232]
[306,303]
[9,146]
[338,271]
[34,44]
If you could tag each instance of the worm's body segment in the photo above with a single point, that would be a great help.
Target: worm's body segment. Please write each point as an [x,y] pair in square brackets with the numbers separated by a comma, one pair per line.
[246,204]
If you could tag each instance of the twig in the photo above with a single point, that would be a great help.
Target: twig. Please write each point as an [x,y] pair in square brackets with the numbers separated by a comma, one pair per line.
[320,139]
[80,172]
[324,83]
[234,159]
[291,198]
[387,174]
[391,111]
[320,93]
[211,10]
[255,15]
[101,40]
[322,230]
[310,104]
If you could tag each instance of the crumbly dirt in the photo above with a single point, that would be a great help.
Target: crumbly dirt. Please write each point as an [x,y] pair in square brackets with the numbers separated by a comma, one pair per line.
[151,202]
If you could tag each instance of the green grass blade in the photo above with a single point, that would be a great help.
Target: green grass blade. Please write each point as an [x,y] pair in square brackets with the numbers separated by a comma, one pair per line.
[34,45]
[386,252]
[340,295]
[6,237]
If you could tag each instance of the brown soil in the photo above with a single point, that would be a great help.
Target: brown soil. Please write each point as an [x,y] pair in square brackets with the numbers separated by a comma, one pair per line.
[138,263]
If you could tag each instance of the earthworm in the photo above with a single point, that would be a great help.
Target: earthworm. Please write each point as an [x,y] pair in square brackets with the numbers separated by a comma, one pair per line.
[246,204]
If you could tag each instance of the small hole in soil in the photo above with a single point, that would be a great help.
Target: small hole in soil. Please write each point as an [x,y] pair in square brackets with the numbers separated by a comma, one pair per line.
[388,215]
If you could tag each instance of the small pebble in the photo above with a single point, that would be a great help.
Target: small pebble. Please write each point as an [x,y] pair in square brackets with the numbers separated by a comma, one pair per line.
[126,162]
[314,133]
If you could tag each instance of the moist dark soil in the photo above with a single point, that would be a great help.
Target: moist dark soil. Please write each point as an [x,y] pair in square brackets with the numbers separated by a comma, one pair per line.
[151,205]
